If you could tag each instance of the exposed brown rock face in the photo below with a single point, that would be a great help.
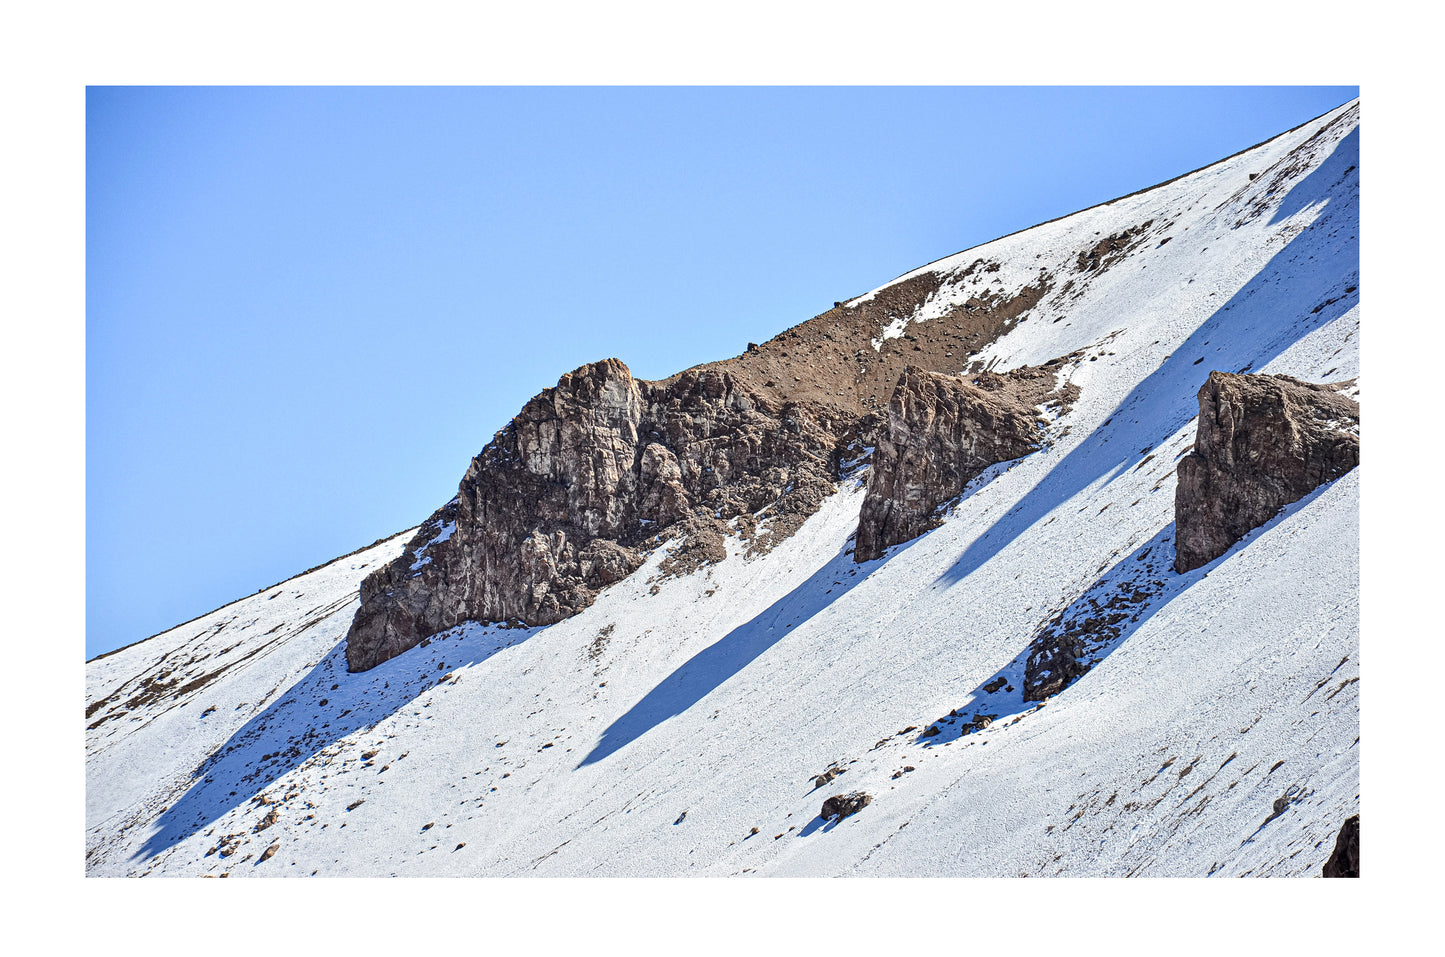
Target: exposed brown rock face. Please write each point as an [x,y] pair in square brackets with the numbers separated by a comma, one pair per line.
[942,432]
[1109,250]
[1264,441]
[1345,861]
[592,474]
[568,497]
[831,360]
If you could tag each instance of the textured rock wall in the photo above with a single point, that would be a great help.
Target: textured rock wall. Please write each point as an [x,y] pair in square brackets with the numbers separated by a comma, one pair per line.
[1263,442]
[942,432]
[1345,860]
[595,472]
[590,475]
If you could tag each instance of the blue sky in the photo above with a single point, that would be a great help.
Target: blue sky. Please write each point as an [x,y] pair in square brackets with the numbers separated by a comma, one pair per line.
[308,308]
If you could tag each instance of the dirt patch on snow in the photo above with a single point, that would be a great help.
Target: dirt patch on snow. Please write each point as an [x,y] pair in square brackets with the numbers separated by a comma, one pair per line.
[830,359]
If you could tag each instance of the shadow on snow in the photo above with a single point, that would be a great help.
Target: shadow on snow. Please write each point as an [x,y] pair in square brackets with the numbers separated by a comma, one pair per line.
[1135,589]
[1302,281]
[715,664]
[315,713]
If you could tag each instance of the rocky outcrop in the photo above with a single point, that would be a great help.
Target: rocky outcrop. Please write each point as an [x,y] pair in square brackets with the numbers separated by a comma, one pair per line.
[1263,442]
[1345,861]
[593,474]
[942,432]
[588,477]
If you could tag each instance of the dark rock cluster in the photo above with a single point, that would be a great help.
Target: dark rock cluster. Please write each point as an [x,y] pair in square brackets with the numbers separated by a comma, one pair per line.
[1263,442]
[844,805]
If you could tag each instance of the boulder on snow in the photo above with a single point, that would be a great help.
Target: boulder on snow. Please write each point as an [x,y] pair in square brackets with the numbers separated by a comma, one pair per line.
[842,805]
[1263,442]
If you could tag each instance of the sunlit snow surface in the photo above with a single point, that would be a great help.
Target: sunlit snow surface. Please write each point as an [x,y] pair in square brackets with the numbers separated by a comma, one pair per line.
[652,733]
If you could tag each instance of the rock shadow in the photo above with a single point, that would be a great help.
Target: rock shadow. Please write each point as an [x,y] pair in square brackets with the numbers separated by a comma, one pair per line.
[702,674]
[820,823]
[1312,279]
[316,712]
[1134,589]
[1090,628]
[1323,180]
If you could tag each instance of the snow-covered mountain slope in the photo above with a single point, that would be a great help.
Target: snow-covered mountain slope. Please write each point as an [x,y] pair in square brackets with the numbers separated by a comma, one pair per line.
[677,724]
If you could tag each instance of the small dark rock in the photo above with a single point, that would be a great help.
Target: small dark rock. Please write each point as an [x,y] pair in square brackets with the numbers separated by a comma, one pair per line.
[843,805]
[829,774]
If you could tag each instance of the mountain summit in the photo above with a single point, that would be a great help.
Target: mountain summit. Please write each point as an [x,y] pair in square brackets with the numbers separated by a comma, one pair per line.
[898,592]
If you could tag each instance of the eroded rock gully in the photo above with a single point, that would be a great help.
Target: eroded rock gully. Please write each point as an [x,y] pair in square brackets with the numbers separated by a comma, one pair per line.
[1263,442]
